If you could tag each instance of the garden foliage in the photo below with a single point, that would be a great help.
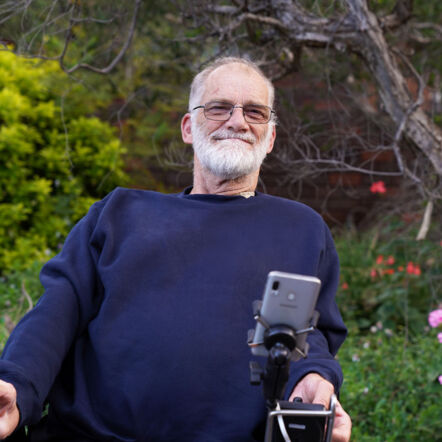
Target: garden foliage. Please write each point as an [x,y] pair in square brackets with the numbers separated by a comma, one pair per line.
[391,359]
[388,277]
[54,163]
[391,387]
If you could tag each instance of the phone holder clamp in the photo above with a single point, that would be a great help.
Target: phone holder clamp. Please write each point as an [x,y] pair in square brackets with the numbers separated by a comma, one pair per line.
[281,342]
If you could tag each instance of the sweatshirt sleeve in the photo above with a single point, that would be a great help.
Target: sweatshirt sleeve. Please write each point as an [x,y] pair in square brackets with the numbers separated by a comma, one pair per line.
[330,332]
[36,348]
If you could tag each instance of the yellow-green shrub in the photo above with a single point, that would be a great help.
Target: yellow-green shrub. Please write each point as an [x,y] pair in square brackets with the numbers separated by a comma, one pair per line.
[53,164]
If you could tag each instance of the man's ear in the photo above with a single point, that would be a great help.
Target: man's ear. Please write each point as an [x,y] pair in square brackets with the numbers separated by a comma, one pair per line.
[186,129]
[272,139]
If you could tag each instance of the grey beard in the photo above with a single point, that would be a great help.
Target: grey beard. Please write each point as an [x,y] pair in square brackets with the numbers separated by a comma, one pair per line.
[229,158]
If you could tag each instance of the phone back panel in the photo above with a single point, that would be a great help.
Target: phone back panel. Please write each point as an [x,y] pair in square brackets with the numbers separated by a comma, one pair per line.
[289,299]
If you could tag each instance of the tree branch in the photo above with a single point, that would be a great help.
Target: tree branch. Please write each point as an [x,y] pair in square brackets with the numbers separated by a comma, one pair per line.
[393,89]
[422,234]
[402,12]
[120,55]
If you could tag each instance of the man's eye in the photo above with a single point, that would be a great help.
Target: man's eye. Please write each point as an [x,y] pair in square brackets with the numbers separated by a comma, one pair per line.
[256,112]
[218,108]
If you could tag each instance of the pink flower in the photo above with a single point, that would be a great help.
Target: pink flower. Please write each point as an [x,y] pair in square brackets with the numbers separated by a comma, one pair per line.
[373,273]
[379,259]
[439,336]
[344,286]
[435,318]
[440,379]
[378,187]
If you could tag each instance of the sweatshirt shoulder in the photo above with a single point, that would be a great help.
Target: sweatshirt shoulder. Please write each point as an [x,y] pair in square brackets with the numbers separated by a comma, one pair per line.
[121,200]
[304,219]
[292,207]
[124,193]
[121,196]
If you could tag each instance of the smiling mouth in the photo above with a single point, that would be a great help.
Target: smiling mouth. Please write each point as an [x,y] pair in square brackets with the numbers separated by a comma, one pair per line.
[233,138]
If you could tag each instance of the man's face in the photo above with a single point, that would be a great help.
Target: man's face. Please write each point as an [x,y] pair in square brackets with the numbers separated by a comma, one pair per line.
[233,148]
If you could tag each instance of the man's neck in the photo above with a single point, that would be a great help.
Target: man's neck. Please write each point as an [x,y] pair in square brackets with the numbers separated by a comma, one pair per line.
[207,183]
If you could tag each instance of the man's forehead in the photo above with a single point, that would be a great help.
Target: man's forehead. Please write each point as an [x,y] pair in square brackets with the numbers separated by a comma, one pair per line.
[234,81]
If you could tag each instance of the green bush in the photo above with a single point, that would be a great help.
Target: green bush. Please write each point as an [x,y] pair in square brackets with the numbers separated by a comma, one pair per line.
[389,284]
[19,292]
[388,277]
[53,164]
[391,387]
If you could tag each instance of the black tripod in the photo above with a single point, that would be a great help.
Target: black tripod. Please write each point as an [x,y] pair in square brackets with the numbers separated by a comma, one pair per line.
[297,421]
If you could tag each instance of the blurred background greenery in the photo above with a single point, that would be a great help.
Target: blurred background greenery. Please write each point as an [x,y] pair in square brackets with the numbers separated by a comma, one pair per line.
[68,136]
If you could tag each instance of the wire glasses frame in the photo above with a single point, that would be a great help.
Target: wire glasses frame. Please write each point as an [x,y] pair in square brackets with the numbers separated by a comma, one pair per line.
[221,111]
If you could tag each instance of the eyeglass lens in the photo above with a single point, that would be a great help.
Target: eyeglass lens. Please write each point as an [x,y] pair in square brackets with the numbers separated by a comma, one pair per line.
[253,113]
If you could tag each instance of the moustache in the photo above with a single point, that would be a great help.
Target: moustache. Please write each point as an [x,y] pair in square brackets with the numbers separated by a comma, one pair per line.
[224,134]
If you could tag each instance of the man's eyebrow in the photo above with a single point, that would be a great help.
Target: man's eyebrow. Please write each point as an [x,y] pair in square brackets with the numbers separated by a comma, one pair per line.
[220,100]
[246,103]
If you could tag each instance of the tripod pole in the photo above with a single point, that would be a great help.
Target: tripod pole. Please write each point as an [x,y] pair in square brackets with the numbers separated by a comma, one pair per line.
[276,374]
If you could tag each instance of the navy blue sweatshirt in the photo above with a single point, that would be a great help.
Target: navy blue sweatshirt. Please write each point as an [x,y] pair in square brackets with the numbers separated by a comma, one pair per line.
[141,332]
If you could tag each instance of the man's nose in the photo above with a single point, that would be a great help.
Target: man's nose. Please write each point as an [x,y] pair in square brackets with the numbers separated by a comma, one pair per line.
[237,121]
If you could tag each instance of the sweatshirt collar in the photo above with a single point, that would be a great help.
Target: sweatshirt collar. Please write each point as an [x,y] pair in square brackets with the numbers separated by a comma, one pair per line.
[187,190]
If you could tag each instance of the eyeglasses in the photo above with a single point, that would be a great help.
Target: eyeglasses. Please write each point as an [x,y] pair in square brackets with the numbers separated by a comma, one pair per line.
[253,113]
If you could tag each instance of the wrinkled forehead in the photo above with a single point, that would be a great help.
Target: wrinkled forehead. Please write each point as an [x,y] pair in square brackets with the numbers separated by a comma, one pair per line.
[236,83]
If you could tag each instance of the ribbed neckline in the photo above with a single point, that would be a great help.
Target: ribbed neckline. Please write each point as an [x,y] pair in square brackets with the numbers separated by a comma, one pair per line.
[212,197]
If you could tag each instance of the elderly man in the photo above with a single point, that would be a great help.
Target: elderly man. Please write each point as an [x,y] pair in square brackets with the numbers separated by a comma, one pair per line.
[140,334]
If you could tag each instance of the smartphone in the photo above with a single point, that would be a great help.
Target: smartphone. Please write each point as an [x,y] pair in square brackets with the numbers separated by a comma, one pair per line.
[289,299]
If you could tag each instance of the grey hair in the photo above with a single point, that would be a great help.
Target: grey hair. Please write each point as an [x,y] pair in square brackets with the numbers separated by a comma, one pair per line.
[197,86]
